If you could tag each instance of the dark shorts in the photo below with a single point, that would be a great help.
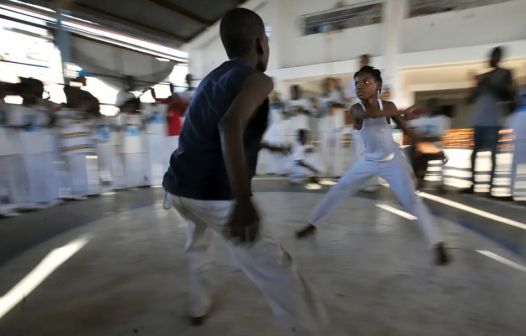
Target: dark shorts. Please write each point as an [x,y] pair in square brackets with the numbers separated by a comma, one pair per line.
[485,137]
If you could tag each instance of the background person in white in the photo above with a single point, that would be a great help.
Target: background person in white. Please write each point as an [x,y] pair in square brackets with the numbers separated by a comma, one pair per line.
[301,167]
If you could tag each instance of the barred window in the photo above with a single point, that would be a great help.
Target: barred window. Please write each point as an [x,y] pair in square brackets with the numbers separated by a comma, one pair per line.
[347,17]
[429,7]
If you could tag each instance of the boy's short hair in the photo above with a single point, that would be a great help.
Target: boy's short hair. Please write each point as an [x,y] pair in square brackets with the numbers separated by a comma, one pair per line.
[238,29]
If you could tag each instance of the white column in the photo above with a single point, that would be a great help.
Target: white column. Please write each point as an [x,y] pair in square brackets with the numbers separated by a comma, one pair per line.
[392,18]
[274,22]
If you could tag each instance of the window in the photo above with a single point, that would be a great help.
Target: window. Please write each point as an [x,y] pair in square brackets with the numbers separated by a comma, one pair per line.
[429,7]
[342,18]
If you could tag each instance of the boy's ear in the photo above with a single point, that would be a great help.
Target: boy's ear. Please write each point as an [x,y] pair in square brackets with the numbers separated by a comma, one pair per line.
[259,46]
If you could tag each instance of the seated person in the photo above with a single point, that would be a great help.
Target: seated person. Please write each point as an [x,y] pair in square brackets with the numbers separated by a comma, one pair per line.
[431,126]
[300,165]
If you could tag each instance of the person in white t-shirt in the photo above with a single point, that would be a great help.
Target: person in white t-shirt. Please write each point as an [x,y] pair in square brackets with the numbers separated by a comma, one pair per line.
[299,108]
[331,127]
[301,167]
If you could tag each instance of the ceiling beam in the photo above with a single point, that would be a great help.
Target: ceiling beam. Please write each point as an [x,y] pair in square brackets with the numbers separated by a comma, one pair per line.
[140,27]
[181,11]
[83,9]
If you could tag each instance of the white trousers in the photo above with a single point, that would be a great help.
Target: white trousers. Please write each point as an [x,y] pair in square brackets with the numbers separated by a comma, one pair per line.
[77,170]
[17,179]
[104,161]
[154,165]
[134,170]
[398,174]
[266,263]
[171,144]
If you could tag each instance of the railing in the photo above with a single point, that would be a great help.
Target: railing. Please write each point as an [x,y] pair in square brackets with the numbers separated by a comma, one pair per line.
[429,7]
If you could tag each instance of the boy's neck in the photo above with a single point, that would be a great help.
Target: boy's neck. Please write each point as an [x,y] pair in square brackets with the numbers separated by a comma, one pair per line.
[249,59]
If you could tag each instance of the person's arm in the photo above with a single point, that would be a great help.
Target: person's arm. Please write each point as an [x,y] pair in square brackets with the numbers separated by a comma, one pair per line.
[306,165]
[389,111]
[254,91]
[399,121]
[272,148]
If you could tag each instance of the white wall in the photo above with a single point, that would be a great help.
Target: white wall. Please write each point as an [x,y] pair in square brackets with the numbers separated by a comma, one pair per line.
[434,40]
[298,50]
[480,25]
[212,53]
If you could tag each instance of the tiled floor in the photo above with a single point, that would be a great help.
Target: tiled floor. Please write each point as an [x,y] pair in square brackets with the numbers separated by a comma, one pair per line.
[370,265]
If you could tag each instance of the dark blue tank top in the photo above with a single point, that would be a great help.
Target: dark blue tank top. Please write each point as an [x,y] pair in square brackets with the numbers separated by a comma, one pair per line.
[197,168]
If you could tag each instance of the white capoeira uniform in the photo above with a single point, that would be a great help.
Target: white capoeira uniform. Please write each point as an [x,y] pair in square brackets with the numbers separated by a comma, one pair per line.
[518,170]
[20,190]
[275,135]
[104,150]
[298,173]
[117,138]
[7,207]
[331,128]
[381,157]
[33,149]
[154,141]
[76,143]
[132,150]
[48,170]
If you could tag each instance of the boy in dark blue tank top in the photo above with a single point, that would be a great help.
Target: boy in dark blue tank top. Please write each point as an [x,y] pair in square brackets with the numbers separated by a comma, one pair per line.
[208,181]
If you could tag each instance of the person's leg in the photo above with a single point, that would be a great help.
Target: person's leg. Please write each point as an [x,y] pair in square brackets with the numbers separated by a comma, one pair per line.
[294,303]
[79,175]
[492,138]
[347,186]
[398,174]
[198,250]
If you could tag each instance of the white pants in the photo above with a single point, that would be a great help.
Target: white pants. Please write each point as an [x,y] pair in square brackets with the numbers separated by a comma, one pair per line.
[398,174]
[104,161]
[77,169]
[154,158]
[357,147]
[134,170]
[266,263]
[171,144]
[117,169]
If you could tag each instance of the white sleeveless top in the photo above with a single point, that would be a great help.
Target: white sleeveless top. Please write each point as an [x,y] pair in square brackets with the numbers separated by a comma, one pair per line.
[377,138]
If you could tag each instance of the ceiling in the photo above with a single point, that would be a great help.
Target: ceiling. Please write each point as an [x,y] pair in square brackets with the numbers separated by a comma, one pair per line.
[170,22]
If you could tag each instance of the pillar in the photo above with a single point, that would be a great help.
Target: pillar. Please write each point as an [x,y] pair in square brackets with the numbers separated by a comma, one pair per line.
[393,15]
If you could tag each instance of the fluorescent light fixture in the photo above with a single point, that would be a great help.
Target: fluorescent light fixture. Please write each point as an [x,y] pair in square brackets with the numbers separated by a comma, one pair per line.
[34,6]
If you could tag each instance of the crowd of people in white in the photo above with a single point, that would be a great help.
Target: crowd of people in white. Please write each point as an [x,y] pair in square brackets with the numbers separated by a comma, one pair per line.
[50,152]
